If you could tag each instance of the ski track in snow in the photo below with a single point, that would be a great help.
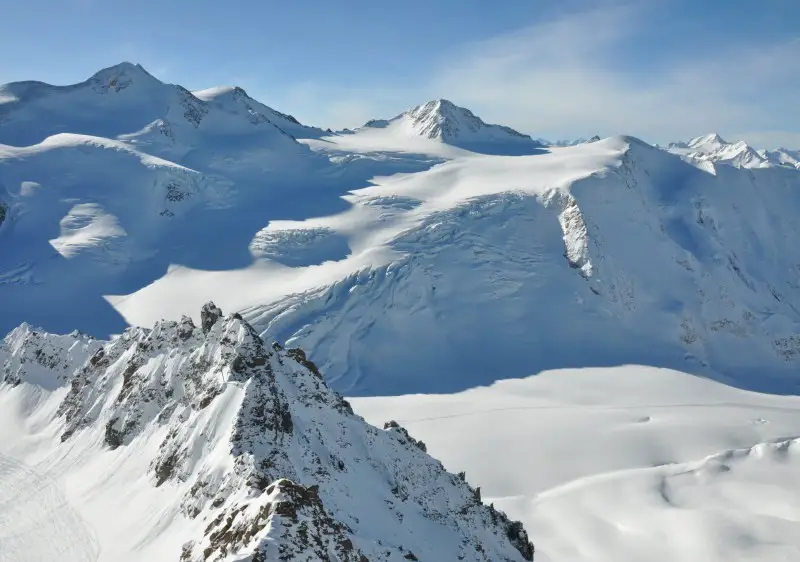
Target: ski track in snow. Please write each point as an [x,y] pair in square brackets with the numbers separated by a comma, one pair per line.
[37,523]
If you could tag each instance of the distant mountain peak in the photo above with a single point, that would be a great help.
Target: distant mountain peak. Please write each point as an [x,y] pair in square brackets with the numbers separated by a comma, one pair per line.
[124,67]
[713,148]
[706,140]
[569,142]
[442,120]
[120,76]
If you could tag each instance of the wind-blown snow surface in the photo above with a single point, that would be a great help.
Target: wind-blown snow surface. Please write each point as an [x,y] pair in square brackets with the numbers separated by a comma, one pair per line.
[624,464]
[202,444]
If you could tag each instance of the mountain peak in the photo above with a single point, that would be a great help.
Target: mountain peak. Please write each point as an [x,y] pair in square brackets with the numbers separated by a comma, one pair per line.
[713,148]
[441,119]
[121,76]
[441,105]
[707,140]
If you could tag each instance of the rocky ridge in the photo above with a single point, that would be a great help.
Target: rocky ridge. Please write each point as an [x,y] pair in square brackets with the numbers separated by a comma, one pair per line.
[268,461]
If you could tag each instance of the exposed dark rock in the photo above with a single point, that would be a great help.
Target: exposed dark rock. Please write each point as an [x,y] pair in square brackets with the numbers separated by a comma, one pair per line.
[300,356]
[113,438]
[394,426]
[165,469]
[209,315]
[186,328]
[519,538]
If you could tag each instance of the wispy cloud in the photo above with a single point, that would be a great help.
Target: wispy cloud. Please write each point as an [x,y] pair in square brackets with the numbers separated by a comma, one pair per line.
[582,72]
[336,106]
[571,76]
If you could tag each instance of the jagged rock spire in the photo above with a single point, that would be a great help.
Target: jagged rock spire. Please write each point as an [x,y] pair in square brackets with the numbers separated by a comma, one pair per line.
[209,315]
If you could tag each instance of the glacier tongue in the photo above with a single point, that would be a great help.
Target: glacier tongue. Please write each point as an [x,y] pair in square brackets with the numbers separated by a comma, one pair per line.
[259,460]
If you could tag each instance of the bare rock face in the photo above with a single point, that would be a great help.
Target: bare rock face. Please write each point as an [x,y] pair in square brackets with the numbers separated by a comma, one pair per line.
[261,458]
[209,314]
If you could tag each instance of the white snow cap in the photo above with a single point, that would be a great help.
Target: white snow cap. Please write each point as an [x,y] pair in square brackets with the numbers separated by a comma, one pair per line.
[442,120]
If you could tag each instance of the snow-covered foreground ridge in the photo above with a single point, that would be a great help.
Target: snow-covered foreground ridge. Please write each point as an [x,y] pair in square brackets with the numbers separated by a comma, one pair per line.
[124,199]
[203,444]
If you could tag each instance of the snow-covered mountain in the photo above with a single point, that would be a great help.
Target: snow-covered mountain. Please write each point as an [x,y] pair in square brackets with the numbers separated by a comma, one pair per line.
[241,449]
[104,185]
[607,253]
[443,121]
[782,157]
[411,256]
[571,142]
[614,247]
[712,148]
[125,100]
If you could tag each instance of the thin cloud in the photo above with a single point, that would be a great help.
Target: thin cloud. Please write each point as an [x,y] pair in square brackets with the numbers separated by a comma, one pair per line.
[565,77]
[574,75]
[337,107]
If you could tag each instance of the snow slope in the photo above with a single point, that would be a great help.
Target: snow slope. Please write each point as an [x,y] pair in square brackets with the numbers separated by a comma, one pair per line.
[37,521]
[623,464]
[220,449]
[606,253]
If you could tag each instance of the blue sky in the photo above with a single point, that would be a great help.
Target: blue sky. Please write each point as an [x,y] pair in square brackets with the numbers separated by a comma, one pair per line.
[659,69]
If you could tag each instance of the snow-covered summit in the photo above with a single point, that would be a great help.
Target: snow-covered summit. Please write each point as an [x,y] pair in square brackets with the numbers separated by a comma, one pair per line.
[124,99]
[782,157]
[443,121]
[30,355]
[251,455]
[235,100]
[121,76]
[713,148]
[707,143]
[449,122]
